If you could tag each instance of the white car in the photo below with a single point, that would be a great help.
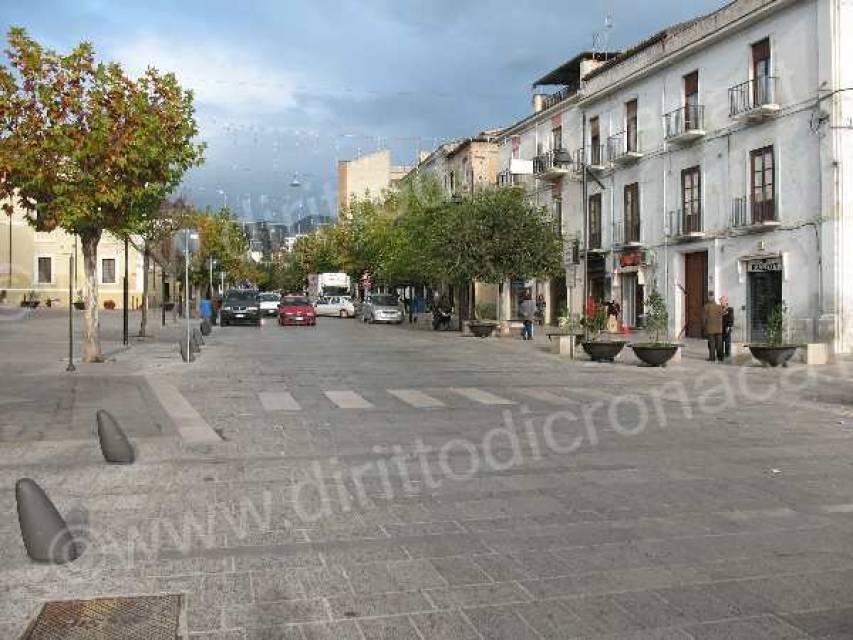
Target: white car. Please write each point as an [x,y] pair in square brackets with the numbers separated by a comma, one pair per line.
[340,306]
[269,301]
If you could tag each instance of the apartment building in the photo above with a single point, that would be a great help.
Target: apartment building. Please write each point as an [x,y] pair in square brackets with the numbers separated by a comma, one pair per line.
[34,263]
[369,175]
[711,158]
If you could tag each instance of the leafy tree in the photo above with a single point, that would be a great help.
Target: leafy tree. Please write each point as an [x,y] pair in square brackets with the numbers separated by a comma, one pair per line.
[87,149]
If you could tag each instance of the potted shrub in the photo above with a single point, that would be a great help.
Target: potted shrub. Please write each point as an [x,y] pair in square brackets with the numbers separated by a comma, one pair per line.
[774,352]
[79,303]
[659,351]
[30,300]
[109,304]
[480,326]
[598,346]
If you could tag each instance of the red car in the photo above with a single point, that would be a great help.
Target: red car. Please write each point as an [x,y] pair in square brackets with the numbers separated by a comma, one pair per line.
[296,310]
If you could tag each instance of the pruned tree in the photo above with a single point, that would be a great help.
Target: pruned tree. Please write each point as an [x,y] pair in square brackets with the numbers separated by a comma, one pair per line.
[87,149]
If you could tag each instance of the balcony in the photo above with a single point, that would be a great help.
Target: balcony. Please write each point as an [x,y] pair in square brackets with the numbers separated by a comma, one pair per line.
[506,178]
[558,96]
[597,158]
[753,100]
[624,149]
[627,235]
[685,225]
[747,213]
[685,125]
[552,165]
[595,241]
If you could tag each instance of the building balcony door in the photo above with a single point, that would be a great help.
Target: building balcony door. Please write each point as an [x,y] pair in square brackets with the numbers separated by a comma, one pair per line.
[696,291]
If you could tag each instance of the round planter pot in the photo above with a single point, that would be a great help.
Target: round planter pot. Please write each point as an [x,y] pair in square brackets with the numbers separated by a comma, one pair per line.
[79,306]
[773,355]
[655,355]
[482,329]
[602,351]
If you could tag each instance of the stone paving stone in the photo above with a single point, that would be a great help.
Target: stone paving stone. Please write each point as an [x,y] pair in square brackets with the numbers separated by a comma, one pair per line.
[331,631]
[500,623]
[353,606]
[501,568]
[396,628]
[603,615]
[470,596]
[422,528]
[653,634]
[444,625]
[289,632]
[649,609]
[756,628]
[220,635]
[825,623]
[459,571]
[275,613]
[393,576]
[552,620]
[544,564]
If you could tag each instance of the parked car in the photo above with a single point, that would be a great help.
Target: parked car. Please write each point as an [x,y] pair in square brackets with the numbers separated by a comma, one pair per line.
[269,303]
[382,307]
[340,306]
[296,310]
[240,306]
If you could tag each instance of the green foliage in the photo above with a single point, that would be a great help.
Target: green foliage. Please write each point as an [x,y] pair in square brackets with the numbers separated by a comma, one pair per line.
[775,324]
[657,317]
[595,321]
[569,322]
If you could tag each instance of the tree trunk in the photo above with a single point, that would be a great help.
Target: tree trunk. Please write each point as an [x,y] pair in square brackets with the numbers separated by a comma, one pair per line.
[146,263]
[91,330]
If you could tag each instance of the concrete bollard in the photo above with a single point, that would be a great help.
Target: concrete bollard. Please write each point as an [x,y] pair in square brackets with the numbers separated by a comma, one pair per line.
[197,337]
[115,446]
[206,328]
[186,356]
[46,536]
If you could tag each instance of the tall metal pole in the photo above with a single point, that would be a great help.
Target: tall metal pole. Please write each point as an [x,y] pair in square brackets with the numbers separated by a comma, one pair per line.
[10,250]
[163,297]
[585,209]
[124,294]
[187,289]
[210,277]
[70,366]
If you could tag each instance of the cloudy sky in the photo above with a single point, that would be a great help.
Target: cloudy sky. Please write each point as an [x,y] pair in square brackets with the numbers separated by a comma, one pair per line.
[286,88]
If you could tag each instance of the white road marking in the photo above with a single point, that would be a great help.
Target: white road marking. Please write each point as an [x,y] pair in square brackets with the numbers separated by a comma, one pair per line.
[192,428]
[478,395]
[348,400]
[415,398]
[547,396]
[278,401]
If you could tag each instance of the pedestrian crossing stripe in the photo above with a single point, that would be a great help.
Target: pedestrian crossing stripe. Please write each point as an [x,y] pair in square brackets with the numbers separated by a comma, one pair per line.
[478,395]
[415,398]
[348,400]
[278,401]
[547,396]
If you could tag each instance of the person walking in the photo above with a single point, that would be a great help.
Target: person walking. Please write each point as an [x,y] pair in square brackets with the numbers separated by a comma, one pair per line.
[728,325]
[527,312]
[712,325]
[540,310]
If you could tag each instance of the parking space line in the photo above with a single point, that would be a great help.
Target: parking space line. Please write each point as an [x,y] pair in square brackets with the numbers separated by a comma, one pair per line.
[278,401]
[415,398]
[348,400]
[478,395]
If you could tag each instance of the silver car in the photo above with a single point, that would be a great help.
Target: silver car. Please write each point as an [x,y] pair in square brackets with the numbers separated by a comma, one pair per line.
[381,307]
[339,306]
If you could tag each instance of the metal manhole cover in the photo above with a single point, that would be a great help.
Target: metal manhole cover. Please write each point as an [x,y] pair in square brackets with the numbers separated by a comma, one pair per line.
[131,618]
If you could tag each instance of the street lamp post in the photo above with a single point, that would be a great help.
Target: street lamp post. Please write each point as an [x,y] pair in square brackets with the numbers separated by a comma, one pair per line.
[124,339]
[70,366]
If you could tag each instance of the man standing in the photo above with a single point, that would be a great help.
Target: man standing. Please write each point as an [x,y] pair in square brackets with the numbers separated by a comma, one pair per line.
[728,325]
[712,324]
[527,311]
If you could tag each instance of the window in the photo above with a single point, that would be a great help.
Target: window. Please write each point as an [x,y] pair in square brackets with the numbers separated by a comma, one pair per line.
[452,183]
[558,216]
[763,185]
[691,101]
[108,271]
[631,126]
[595,221]
[45,270]
[691,200]
[594,141]
[761,89]
[557,138]
[632,212]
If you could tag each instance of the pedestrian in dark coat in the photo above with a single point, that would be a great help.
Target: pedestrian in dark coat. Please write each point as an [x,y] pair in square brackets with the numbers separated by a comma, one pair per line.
[712,324]
[728,325]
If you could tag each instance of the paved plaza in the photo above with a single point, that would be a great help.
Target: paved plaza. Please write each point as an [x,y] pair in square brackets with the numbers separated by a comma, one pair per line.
[361,481]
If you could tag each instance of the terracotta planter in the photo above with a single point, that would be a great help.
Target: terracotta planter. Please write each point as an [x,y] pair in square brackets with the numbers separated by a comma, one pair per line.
[602,351]
[773,355]
[655,355]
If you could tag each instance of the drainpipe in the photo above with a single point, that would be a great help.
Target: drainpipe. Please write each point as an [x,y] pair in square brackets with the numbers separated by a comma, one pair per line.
[585,209]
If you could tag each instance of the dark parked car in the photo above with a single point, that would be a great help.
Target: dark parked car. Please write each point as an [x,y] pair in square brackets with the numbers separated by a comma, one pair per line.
[240,306]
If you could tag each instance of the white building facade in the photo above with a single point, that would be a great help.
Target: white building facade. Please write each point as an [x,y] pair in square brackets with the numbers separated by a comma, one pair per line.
[713,158]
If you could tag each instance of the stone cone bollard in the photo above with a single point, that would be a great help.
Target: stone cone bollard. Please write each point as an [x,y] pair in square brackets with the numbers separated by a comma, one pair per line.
[114,444]
[206,327]
[196,335]
[45,534]
[186,356]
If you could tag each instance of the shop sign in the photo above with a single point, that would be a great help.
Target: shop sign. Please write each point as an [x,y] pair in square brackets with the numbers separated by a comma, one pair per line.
[762,266]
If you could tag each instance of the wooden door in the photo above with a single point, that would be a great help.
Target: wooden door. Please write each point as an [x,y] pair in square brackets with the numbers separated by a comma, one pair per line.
[696,291]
